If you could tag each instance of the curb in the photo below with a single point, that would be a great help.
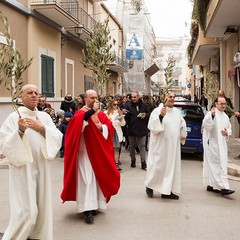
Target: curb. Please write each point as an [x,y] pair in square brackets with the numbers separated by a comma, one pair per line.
[233,169]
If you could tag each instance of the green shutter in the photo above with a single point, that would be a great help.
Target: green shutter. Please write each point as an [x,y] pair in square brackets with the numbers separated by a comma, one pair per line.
[50,77]
[47,76]
[44,74]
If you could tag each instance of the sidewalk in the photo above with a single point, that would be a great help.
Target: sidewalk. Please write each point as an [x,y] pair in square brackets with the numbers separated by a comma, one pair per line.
[234,157]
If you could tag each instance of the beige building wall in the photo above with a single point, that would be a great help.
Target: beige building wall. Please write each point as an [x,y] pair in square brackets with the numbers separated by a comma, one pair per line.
[43,39]
[73,72]
[18,33]
[232,88]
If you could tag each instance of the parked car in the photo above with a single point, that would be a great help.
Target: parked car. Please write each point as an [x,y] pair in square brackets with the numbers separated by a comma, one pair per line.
[193,115]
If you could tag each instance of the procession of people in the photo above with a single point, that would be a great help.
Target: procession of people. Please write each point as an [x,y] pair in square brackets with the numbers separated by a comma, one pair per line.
[89,135]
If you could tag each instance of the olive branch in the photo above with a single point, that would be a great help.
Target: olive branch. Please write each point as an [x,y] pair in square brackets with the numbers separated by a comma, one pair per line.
[11,65]
[211,90]
[168,71]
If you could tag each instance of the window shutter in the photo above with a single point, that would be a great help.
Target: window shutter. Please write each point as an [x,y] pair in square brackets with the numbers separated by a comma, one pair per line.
[50,77]
[47,76]
[44,74]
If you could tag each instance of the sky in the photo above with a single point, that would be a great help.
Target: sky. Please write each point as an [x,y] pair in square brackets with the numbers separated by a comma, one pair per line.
[170,18]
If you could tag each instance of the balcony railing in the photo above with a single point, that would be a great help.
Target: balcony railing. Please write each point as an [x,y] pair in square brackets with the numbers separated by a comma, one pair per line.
[72,8]
[118,65]
[120,62]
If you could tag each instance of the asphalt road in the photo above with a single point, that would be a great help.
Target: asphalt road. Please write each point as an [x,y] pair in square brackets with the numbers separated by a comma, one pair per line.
[197,215]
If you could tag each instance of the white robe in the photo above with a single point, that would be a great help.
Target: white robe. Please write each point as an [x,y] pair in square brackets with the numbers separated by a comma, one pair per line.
[215,150]
[29,175]
[89,194]
[164,155]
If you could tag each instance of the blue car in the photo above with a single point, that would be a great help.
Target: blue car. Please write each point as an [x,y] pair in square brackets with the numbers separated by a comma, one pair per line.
[193,115]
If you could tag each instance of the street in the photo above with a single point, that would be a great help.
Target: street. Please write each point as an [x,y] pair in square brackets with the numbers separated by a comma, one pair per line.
[131,215]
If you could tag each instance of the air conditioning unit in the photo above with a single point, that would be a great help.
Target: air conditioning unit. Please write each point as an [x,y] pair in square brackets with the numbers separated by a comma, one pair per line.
[213,65]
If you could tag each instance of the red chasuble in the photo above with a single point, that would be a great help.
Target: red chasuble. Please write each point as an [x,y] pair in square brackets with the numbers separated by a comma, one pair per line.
[100,152]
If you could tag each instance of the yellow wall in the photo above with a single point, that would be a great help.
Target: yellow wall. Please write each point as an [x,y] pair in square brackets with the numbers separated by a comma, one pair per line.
[18,33]
[43,39]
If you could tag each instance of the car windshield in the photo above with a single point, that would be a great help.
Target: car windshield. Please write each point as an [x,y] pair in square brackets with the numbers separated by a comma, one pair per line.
[191,113]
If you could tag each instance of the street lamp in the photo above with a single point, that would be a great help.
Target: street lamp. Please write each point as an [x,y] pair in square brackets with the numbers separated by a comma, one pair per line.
[79,29]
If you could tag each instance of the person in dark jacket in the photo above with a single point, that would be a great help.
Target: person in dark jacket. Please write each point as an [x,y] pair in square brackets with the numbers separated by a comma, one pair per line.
[63,128]
[203,101]
[137,113]
[147,101]
[42,104]
[68,104]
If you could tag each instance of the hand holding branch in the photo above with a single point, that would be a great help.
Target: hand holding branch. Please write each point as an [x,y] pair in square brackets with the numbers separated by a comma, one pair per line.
[163,111]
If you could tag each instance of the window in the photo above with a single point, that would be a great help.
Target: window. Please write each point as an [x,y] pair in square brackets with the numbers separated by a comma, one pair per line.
[191,113]
[47,75]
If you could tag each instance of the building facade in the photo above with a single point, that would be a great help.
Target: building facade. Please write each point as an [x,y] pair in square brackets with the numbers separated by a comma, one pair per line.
[54,34]
[214,49]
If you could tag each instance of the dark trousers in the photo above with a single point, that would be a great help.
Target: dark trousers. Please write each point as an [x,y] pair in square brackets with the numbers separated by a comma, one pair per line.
[133,143]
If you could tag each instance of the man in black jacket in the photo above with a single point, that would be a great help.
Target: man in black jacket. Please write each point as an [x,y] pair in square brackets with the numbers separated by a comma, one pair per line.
[137,113]
[68,104]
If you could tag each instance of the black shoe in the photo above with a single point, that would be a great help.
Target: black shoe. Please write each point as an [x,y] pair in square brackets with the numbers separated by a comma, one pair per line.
[211,189]
[146,149]
[61,154]
[171,196]
[227,191]
[118,167]
[133,164]
[88,216]
[144,165]
[94,212]
[149,192]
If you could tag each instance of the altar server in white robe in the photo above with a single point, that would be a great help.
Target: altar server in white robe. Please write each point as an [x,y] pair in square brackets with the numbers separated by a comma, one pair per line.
[29,143]
[216,131]
[167,129]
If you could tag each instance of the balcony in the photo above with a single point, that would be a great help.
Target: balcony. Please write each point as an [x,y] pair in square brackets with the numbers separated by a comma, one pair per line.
[220,15]
[66,13]
[118,65]
[204,48]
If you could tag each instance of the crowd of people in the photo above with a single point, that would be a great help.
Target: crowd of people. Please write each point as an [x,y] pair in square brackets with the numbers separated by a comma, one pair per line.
[89,132]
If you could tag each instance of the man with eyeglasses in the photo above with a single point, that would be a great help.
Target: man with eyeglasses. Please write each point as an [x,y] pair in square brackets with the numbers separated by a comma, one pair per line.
[216,131]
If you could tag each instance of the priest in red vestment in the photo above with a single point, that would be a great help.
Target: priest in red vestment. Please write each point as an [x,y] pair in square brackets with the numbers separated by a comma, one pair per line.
[90,173]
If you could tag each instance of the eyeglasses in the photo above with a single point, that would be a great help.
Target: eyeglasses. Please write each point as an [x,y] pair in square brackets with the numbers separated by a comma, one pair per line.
[115,104]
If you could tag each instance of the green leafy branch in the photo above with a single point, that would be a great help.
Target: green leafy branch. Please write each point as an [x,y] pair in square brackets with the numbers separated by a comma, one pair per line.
[97,54]
[211,91]
[11,65]
[211,88]
[171,61]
